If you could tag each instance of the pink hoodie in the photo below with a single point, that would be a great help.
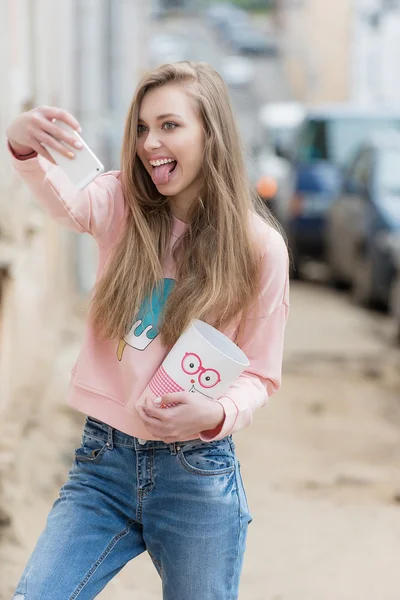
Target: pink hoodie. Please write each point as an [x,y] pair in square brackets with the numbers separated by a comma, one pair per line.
[101,384]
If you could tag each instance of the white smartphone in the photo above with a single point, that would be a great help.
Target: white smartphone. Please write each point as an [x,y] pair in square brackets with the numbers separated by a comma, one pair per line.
[82,169]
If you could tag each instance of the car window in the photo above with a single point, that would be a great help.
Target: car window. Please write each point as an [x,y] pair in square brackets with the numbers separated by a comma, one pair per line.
[388,173]
[312,142]
[345,135]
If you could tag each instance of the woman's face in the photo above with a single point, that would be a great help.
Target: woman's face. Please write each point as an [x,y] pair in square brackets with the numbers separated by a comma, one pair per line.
[171,142]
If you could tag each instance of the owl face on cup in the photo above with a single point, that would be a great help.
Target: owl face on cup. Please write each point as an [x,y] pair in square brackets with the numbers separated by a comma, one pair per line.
[203,379]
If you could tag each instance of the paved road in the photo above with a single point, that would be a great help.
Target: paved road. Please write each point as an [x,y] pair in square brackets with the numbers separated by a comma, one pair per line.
[320,464]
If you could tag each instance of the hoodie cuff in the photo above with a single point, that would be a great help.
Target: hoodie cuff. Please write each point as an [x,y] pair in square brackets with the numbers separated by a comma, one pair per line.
[19,159]
[231,412]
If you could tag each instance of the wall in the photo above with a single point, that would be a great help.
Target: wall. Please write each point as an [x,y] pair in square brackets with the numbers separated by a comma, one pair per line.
[79,55]
[316,40]
[35,256]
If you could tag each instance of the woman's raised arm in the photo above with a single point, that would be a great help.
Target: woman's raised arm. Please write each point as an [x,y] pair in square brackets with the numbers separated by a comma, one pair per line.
[90,210]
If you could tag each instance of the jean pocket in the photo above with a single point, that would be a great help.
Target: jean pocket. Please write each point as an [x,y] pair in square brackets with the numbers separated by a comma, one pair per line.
[207,458]
[91,449]
[243,501]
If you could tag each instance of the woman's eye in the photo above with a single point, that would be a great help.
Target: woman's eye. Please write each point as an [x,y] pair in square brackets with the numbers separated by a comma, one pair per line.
[169,125]
[141,128]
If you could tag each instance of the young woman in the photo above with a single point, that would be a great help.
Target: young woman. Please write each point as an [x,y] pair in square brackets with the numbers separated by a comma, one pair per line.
[179,238]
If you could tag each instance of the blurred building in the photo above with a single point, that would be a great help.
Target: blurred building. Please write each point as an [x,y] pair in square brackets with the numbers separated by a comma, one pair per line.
[85,56]
[345,50]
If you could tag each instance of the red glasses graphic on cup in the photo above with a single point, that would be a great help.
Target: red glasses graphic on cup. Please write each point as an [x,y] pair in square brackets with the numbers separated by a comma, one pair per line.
[192,365]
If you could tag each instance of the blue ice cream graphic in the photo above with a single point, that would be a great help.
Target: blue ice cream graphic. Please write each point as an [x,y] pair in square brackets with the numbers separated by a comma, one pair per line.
[147,323]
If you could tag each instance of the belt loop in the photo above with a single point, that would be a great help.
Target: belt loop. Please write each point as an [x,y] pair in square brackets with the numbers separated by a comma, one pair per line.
[172,448]
[110,441]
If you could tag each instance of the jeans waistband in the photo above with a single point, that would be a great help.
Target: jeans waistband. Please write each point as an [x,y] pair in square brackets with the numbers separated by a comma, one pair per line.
[116,437]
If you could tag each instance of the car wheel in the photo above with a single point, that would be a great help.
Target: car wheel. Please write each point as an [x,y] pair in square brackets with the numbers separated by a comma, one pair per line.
[394,305]
[362,290]
[337,281]
[335,278]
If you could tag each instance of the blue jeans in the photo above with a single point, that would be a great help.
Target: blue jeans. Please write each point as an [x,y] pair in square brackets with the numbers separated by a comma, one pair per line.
[182,502]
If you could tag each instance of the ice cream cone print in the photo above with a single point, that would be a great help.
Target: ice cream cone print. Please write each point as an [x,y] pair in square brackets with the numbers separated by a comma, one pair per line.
[147,322]
[121,348]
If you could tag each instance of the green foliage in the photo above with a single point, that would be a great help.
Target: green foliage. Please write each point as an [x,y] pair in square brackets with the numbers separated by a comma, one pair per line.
[251,5]
[258,5]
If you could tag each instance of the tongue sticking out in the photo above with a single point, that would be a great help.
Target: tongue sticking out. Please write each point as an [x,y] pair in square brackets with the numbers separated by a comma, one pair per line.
[161,174]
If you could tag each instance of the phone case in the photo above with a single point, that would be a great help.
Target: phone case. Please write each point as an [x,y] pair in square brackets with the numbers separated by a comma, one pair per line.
[82,169]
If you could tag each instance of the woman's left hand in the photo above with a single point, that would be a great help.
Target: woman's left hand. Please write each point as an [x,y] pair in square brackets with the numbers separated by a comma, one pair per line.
[192,414]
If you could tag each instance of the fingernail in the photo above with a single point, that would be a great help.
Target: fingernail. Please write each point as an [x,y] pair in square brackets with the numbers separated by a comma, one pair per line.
[157,400]
[77,145]
[70,154]
[79,130]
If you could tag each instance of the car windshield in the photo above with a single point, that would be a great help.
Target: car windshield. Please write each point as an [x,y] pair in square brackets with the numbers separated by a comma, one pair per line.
[346,135]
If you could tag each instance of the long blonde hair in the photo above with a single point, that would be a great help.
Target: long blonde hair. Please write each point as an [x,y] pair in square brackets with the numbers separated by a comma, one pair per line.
[217,261]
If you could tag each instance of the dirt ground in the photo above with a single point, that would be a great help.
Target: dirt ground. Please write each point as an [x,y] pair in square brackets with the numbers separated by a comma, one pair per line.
[320,465]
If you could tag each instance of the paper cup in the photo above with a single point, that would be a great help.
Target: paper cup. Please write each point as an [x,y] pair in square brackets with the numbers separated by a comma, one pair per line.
[203,360]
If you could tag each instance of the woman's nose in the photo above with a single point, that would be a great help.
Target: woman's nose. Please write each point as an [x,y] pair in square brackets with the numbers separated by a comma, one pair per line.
[151,142]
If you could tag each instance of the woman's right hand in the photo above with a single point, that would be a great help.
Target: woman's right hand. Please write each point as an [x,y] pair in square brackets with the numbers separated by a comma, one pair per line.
[31,129]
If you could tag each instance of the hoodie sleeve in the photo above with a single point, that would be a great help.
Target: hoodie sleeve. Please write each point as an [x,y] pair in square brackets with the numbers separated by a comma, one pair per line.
[90,210]
[262,344]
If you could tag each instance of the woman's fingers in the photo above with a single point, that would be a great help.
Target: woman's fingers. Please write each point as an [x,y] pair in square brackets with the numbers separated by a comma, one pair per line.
[45,138]
[53,112]
[42,151]
[152,425]
[155,420]
[177,398]
[153,411]
[146,417]
[61,134]
[35,127]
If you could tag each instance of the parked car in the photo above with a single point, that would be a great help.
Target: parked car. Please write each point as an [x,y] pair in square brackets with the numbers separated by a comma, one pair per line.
[278,123]
[363,223]
[395,299]
[244,38]
[266,164]
[267,189]
[157,10]
[326,142]
[218,15]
